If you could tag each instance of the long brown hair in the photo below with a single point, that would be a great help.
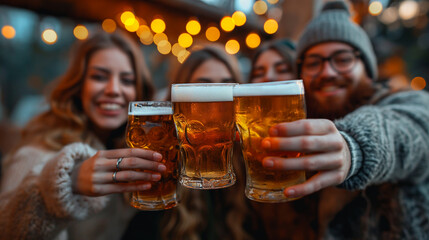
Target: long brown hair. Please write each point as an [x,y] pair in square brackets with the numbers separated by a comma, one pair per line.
[65,121]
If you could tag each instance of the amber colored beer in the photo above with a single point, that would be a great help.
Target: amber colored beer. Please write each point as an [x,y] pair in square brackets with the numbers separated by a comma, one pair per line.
[257,108]
[151,126]
[204,117]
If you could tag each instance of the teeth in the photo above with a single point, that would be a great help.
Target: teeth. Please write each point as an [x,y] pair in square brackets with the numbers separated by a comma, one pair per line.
[110,106]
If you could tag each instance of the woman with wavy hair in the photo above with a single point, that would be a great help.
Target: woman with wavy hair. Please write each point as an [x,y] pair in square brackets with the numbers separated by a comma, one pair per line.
[273,61]
[66,178]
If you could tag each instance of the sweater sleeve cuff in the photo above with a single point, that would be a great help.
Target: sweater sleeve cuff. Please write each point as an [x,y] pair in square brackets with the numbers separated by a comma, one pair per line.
[56,184]
[355,154]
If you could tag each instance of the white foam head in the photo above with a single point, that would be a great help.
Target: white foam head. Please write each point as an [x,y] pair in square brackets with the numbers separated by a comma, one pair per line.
[202,92]
[290,87]
[150,108]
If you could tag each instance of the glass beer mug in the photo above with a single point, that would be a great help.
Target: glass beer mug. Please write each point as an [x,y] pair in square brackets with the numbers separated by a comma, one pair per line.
[258,107]
[204,118]
[150,126]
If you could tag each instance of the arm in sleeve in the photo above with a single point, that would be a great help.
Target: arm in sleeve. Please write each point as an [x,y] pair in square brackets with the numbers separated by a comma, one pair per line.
[392,138]
[43,203]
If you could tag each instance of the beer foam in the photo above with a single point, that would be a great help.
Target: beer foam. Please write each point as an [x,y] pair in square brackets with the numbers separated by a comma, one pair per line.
[145,109]
[292,87]
[202,92]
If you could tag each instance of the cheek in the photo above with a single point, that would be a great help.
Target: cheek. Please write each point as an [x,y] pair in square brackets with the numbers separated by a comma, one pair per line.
[130,93]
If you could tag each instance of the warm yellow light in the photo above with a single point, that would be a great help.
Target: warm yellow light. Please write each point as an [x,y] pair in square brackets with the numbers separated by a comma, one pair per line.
[176,49]
[239,18]
[146,38]
[408,9]
[227,24]
[108,25]
[232,46]
[49,36]
[212,34]
[8,32]
[271,26]
[80,32]
[133,27]
[142,29]
[183,55]
[159,37]
[164,47]
[375,8]
[158,25]
[193,27]
[253,40]
[260,7]
[273,1]
[185,40]
[127,17]
[418,83]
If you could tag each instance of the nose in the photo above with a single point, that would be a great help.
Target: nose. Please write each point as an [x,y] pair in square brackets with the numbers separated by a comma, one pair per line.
[327,69]
[270,75]
[113,86]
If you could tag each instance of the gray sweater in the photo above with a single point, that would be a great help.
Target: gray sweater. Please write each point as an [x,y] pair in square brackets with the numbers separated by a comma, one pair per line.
[389,176]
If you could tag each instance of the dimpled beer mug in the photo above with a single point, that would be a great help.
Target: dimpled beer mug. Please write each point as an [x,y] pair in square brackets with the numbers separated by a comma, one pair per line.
[258,107]
[204,118]
[151,126]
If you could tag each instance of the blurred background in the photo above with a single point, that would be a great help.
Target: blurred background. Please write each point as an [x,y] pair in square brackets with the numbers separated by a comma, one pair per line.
[36,36]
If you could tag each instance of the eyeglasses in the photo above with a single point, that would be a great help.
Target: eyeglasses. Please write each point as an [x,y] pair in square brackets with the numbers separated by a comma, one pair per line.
[341,61]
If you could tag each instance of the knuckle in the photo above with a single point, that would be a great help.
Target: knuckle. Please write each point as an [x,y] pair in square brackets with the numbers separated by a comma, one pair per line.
[308,127]
[306,143]
[132,162]
[310,164]
[339,177]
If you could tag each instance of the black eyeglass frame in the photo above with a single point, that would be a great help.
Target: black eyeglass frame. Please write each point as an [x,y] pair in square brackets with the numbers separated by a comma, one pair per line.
[355,53]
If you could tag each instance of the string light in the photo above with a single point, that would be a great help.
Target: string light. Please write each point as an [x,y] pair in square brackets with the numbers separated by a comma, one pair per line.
[375,8]
[127,18]
[227,24]
[239,18]
[164,47]
[49,36]
[8,32]
[260,7]
[271,26]
[253,40]
[212,34]
[159,37]
[193,27]
[109,25]
[232,46]
[418,83]
[158,25]
[80,32]
[185,40]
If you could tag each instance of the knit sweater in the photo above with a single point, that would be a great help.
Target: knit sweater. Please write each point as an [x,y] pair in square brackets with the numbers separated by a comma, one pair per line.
[37,202]
[389,143]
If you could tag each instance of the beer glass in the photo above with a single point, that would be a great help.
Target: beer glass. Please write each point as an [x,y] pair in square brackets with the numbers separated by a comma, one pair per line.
[204,118]
[258,107]
[150,126]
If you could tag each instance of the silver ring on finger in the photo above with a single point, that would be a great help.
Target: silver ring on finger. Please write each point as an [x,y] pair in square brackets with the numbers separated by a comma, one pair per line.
[117,163]
[114,177]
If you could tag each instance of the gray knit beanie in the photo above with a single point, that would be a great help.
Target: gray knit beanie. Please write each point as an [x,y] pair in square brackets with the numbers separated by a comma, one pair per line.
[333,24]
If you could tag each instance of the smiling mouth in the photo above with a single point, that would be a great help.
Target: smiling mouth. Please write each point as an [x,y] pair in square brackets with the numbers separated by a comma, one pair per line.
[110,106]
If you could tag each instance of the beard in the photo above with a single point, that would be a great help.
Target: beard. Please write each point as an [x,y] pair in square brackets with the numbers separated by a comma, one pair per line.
[360,95]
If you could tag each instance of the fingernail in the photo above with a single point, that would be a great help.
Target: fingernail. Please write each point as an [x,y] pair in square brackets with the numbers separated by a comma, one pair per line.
[145,186]
[162,168]
[268,163]
[274,132]
[266,144]
[290,193]
[157,156]
[156,177]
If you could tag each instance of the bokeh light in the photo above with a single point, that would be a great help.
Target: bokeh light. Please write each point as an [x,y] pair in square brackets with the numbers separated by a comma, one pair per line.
[176,49]
[408,9]
[193,27]
[80,32]
[127,18]
[134,26]
[375,8]
[227,24]
[260,7]
[8,31]
[49,36]
[142,29]
[271,26]
[183,55]
[164,47]
[185,40]
[273,1]
[232,46]
[158,37]
[253,40]
[239,18]
[212,34]
[109,25]
[157,25]
[418,83]
[146,37]
[389,16]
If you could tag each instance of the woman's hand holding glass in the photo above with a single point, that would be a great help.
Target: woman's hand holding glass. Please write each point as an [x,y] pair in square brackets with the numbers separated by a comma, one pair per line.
[326,152]
[93,177]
